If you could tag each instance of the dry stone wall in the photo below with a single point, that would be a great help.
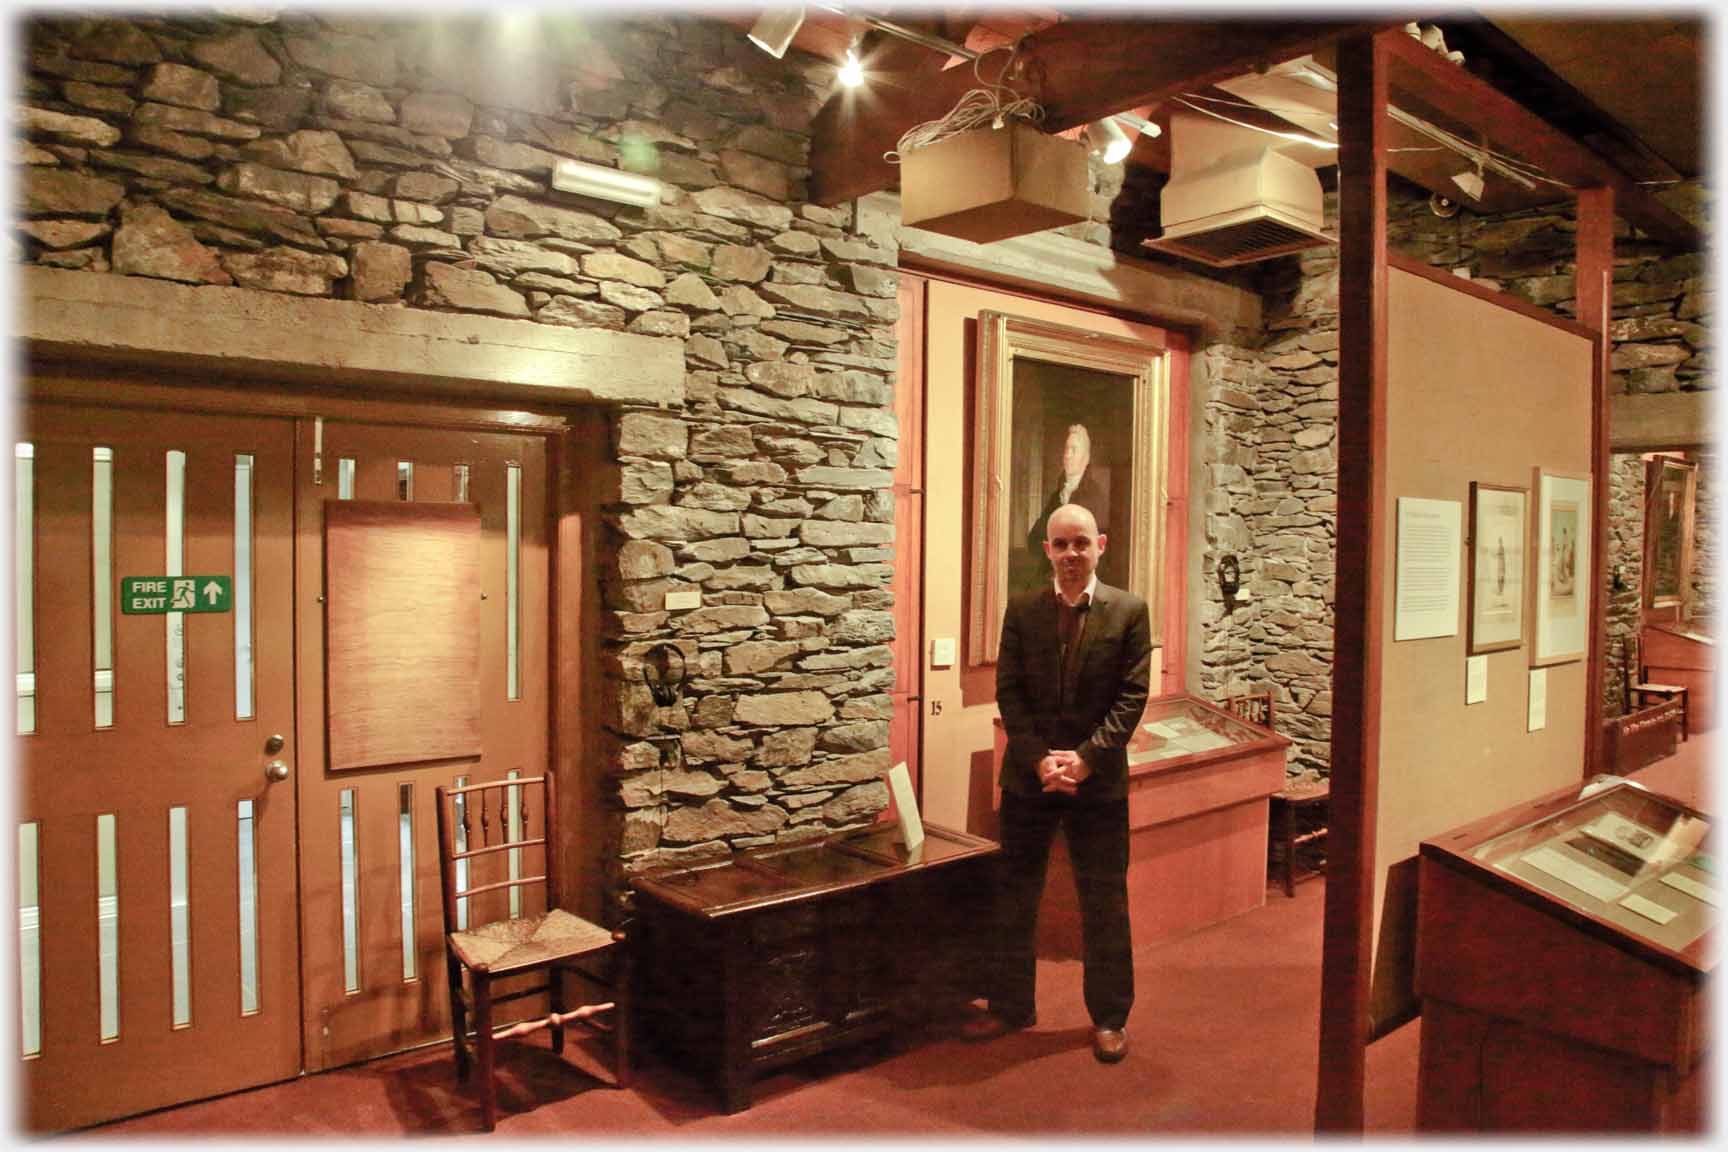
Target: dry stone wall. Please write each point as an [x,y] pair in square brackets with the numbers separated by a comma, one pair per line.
[1625,591]
[407,164]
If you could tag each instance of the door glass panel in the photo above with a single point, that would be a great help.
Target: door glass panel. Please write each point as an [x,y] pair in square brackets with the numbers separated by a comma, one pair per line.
[461,838]
[242,586]
[513,832]
[24,581]
[405,480]
[29,943]
[405,832]
[107,929]
[179,917]
[102,580]
[350,896]
[512,581]
[461,482]
[176,555]
[345,479]
[248,911]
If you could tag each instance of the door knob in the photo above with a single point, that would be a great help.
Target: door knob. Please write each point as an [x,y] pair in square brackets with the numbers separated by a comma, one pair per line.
[276,770]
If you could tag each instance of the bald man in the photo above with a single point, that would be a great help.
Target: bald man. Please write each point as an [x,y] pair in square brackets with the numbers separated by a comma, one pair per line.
[1072,677]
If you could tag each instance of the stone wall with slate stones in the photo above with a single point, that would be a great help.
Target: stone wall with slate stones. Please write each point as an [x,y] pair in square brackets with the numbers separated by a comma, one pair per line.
[398,164]
[1274,500]
[1625,555]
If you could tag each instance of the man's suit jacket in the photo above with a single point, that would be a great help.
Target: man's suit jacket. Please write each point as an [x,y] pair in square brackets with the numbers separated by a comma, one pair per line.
[1113,681]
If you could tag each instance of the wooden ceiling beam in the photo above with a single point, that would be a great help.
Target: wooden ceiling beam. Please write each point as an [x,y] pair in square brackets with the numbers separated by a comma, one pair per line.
[1422,81]
[1079,70]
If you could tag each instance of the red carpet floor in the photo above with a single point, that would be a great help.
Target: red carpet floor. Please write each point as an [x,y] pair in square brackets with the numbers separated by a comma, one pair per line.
[1224,1036]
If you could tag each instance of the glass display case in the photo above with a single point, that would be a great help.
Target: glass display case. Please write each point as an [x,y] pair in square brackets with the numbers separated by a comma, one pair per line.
[1630,857]
[1563,955]
[1181,730]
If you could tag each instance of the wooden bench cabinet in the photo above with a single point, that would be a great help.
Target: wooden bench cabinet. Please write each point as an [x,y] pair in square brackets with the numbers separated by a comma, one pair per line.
[1562,956]
[780,954]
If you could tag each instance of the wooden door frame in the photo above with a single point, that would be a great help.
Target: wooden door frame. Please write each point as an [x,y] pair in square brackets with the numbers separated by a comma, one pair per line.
[573,522]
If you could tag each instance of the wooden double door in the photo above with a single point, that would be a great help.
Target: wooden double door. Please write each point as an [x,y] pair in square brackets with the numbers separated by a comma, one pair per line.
[203,905]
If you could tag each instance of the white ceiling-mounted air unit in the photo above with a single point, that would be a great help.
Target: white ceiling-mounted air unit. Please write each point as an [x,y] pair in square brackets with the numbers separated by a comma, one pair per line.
[1235,196]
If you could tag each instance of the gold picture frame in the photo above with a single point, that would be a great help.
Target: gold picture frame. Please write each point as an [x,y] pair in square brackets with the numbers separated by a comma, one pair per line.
[1037,381]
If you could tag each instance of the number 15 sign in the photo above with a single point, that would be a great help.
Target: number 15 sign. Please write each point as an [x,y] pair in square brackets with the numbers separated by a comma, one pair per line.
[154,595]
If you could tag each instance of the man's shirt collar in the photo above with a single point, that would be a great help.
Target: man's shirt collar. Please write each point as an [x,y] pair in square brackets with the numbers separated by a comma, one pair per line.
[1087,594]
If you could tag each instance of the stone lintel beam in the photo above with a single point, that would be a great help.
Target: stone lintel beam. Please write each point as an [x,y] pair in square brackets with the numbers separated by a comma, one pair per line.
[1651,422]
[67,315]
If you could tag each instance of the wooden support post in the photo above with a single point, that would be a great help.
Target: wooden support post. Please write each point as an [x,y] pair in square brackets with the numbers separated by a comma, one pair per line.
[1595,294]
[1362,519]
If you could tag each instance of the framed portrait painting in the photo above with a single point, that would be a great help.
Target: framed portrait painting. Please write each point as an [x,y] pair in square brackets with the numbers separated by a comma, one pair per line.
[1499,526]
[1563,567]
[1063,416]
[1669,495]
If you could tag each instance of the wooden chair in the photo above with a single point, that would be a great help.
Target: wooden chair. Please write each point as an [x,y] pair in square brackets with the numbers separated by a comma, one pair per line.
[487,940]
[1640,693]
[1310,798]
[1254,707]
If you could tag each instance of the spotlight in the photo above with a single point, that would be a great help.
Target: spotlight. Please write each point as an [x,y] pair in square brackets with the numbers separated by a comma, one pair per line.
[1470,183]
[851,72]
[603,183]
[1108,140]
[774,29]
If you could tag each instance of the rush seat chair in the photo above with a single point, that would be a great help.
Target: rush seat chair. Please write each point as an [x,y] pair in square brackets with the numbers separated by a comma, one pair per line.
[502,921]
[1641,693]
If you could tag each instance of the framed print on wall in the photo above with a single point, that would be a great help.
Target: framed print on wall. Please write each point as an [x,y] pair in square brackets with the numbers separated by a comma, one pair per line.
[1499,526]
[1563,571]
[1063,415]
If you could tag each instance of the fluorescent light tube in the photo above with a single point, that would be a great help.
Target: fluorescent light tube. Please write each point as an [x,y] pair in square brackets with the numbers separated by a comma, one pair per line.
[605,183]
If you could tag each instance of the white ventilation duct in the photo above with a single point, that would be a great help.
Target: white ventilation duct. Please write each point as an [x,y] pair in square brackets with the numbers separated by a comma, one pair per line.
[1234,196]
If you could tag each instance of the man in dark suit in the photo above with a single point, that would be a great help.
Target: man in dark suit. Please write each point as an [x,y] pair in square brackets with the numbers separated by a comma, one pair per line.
[1072,677]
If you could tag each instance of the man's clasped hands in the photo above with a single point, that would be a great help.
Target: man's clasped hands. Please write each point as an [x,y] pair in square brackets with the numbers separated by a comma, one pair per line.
[1063,770]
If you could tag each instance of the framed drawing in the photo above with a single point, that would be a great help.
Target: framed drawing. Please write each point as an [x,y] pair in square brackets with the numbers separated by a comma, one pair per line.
[1563,567]
[1063,415]
[1499,526]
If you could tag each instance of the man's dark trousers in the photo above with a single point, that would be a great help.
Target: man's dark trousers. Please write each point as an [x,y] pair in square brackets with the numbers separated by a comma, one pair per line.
[1097,835]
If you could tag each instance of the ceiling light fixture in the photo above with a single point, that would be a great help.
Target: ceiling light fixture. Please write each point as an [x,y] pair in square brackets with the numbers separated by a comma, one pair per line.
[1470,183]
[1108,140]
[774,29]
[601,183]
[852,72]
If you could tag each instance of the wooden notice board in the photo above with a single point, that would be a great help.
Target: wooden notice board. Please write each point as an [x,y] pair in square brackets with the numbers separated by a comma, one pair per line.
[402,632]
[1478,389]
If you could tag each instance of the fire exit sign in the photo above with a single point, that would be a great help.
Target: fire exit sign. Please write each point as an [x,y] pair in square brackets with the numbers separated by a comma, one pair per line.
[149,595]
